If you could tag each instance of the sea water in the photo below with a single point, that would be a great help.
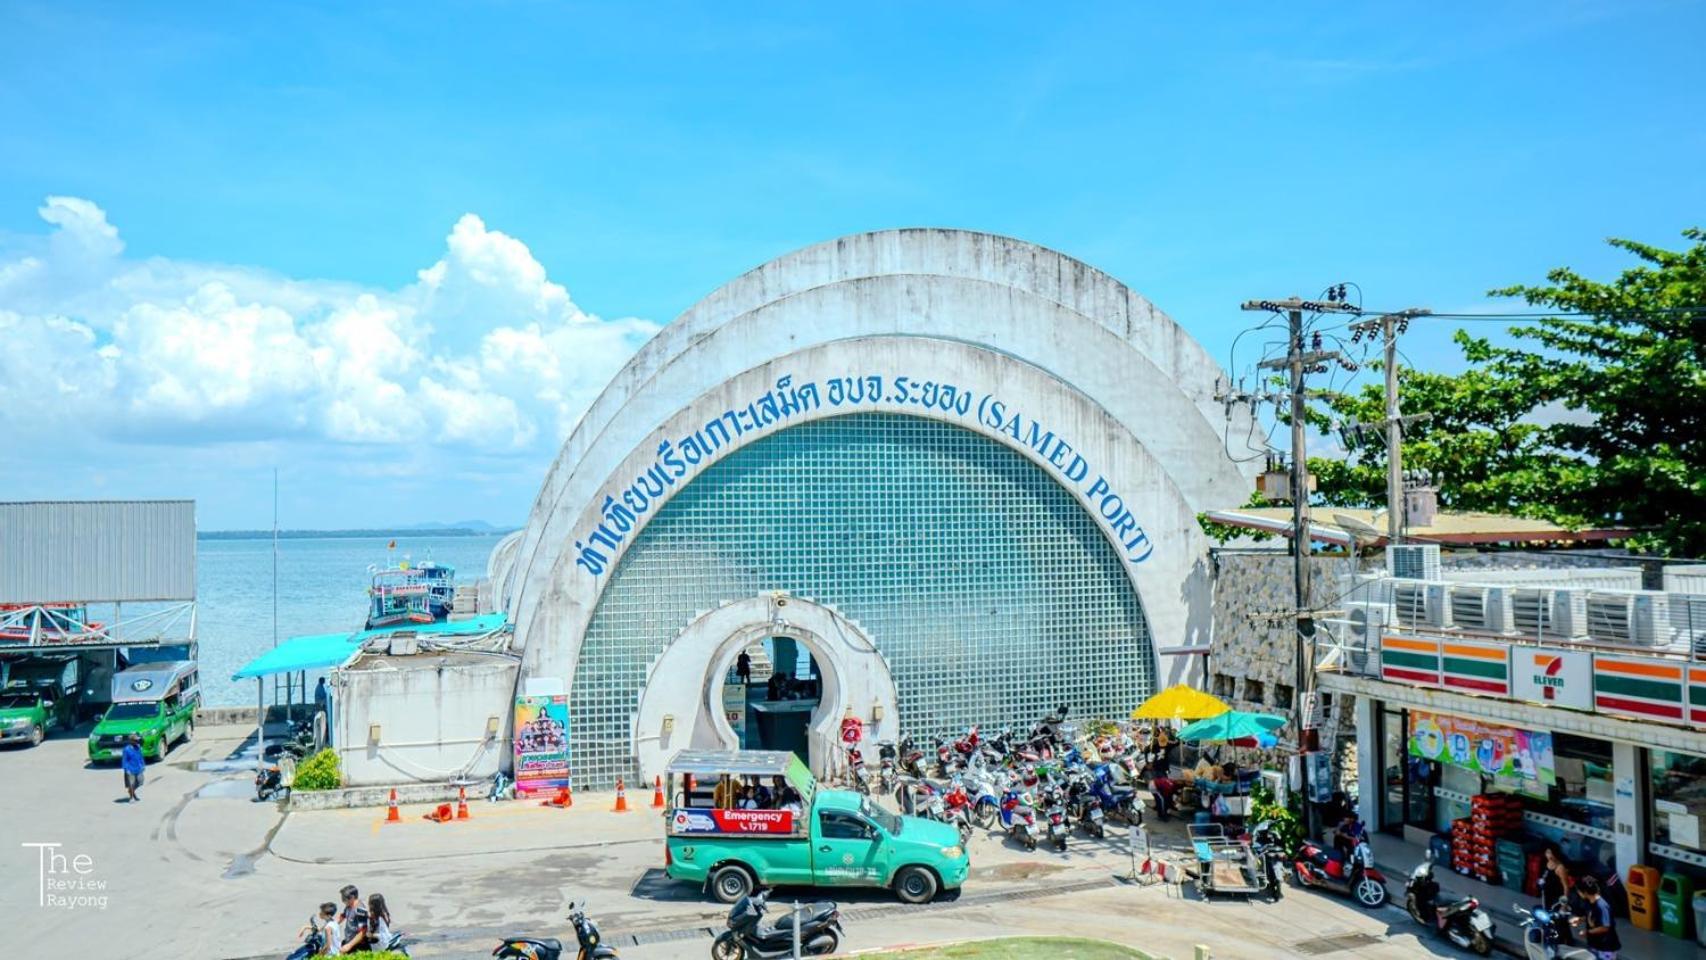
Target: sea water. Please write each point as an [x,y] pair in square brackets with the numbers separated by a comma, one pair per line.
[322,588]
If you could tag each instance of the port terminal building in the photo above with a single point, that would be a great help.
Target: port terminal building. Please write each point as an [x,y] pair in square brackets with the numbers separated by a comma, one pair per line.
[920,479]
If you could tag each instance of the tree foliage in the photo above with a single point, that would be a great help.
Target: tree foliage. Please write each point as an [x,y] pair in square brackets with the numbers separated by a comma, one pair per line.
[1590,417]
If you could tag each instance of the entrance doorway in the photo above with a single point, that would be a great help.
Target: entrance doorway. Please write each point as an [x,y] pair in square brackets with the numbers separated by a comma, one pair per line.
[784,688]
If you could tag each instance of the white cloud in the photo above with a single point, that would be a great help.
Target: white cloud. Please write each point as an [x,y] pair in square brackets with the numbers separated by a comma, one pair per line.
[483,351]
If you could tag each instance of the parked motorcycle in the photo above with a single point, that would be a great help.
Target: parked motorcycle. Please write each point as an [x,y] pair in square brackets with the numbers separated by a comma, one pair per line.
[748,936]
[1019,818]
[856,772]
[985,799]
[1085,807]
[1460,920]
[957,805]
[1122,801]
[1054,812]
[1327,869]
[1271,856]
[523,947]
[888,769]
[269,782]
[1540,936]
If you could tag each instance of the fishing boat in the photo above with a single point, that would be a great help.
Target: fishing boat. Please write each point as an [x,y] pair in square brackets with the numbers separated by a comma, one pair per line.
[410,593]
[47,623]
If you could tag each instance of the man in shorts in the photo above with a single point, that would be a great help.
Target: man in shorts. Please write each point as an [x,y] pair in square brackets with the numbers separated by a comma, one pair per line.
[130,759]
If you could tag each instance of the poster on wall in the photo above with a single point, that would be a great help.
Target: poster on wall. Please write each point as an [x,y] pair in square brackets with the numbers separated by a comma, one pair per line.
[1519,758]
[541,743]
[734,709]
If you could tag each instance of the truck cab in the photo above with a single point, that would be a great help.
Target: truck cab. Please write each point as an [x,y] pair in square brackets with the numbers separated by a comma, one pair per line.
[154,701]
[742,819]
[38,698]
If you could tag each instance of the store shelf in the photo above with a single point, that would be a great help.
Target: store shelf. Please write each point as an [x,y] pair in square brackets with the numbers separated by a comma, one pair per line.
[1678,854]
[1452,795]
[1569,826]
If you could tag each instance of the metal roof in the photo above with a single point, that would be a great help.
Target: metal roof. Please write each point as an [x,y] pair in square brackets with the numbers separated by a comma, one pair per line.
[1463,528]
[97,551]
[148,681]
[745,763]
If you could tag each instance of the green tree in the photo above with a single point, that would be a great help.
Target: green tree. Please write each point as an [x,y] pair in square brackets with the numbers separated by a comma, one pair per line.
[1591,417]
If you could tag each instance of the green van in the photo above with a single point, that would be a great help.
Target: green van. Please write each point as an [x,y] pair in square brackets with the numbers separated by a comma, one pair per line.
[828,838]
[155,701]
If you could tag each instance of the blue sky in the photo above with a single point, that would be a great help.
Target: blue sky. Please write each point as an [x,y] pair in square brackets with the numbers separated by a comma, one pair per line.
[256,197]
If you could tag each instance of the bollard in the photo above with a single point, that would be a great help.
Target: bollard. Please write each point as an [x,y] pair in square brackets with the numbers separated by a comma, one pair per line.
[796,917]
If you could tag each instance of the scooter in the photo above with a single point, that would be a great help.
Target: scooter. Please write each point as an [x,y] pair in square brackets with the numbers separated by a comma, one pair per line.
[1317,866]
[269,782]
[523,947]
[1267,849]
[748,936]
[1055,813]
[1086,808]
[1019,818]
[1120,800]
[1540,937]
[887,769]
[1460,920]
[958,806]
[985,802]
[856,771]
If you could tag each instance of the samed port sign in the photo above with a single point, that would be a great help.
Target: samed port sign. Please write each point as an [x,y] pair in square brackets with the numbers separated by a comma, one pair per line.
[1554,678]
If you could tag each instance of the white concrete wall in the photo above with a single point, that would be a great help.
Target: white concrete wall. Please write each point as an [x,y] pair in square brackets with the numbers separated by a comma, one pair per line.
[1127,386]
[432,721]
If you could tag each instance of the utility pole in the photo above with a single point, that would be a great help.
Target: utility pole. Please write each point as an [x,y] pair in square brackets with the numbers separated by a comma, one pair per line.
[1391,325]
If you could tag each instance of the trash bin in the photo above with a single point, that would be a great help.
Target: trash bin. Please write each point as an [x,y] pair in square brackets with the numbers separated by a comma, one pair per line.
[1512,863]
[1676,905]
[1643,887]
[1700,918]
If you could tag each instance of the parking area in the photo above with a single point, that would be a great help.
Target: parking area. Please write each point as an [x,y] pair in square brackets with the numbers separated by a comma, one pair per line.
[198,869]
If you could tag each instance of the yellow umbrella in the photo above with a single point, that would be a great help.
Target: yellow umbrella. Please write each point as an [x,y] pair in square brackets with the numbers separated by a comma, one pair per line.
[1180,703]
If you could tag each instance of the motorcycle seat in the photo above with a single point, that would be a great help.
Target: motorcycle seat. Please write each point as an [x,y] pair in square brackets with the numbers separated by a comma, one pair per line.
[814,913]
[1454,905]
[549,943]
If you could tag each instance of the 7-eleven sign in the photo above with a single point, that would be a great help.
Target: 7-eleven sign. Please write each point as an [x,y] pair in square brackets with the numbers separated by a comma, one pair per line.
[1556,678]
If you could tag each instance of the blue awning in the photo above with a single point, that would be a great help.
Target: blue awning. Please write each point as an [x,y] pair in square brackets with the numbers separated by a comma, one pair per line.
[313,652]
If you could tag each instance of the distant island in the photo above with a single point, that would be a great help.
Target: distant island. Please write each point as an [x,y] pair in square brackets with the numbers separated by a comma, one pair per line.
[471,528]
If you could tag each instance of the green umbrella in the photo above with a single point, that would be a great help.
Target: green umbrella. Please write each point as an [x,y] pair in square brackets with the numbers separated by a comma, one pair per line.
[1232,725]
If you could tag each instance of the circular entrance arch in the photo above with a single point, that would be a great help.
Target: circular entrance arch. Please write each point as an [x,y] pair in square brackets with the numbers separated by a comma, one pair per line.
[681,703]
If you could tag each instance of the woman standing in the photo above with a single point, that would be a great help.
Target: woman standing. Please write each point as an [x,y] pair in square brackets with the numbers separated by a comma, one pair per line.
[1555,890]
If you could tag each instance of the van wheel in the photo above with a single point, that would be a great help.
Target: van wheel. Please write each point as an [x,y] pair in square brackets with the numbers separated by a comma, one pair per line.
[37,735]
[915,885]
[730,883]
[160,748]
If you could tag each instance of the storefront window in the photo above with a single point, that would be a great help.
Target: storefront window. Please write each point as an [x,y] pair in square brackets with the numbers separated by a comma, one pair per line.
[1679,798]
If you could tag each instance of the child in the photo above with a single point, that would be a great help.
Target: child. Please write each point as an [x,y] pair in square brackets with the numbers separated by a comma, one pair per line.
[315,939]
[378,923]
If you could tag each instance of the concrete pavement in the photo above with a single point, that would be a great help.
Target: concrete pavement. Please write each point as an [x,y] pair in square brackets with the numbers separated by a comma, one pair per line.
[198,869]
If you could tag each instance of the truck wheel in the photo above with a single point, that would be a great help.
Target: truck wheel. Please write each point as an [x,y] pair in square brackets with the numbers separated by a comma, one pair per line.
[730,883]
[727,947]
[37,735]
[915,885]
[160,748]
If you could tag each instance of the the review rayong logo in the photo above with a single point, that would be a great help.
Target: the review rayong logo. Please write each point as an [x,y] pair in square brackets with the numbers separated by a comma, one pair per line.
[67,881]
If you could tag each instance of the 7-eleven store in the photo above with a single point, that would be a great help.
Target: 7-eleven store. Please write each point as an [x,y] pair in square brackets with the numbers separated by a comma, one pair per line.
[1604,744]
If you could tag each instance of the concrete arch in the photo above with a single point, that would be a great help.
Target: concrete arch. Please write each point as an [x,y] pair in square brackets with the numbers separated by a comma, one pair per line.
[693,668]
[908,297]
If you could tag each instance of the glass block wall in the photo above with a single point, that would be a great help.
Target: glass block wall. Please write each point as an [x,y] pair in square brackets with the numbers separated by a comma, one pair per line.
[986,585]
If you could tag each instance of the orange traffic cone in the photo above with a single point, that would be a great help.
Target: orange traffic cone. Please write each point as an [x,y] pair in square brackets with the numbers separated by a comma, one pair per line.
[391,815]
[657,793]
[621,797]
[462,803]
[441,815]
[563,798]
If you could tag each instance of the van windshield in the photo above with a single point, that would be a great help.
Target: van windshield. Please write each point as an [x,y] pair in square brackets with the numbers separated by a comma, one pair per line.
[12,701]
[133,711]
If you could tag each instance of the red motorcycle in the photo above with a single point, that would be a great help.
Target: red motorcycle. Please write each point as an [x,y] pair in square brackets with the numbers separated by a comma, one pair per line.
[968,744]
[1356,877]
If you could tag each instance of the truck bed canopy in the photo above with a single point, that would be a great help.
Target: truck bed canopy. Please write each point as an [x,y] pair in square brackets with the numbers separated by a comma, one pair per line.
[740,763]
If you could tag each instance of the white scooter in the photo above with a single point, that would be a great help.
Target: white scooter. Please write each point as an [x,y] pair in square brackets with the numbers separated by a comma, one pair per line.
[1540,938]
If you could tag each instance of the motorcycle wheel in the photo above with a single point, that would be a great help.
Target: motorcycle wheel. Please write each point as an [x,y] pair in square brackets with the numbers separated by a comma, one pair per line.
[820,948]
[1299,877]
[984,815]
[1370,893]
[1414,910]
[1101,832]
[726,947]
[1482,944]
[1031,844]
[965,832]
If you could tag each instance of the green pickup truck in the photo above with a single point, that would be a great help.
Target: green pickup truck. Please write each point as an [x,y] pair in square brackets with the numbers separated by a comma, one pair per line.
[803,835]
[153,701]
[27,714]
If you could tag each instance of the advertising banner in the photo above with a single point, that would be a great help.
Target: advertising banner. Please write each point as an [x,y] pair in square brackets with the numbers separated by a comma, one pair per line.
[1522,757]
[1555,678]
[541,743]
[734,708]
[692,820]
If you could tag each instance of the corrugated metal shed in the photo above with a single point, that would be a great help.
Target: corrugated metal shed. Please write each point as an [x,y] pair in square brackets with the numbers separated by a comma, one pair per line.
[97,551]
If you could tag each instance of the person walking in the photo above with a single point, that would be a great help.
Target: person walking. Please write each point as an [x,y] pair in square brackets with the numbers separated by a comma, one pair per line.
[1600,927]
[130,759]
[743,668]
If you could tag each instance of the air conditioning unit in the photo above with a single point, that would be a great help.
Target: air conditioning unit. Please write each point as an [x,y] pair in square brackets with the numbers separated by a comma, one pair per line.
[1413,561]
[1421,603]
[1635,618]
[1484,609]
[1367,620]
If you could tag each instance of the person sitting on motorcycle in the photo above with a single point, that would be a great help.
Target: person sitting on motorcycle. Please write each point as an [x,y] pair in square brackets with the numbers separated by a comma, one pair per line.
[318,934]
[1349,832]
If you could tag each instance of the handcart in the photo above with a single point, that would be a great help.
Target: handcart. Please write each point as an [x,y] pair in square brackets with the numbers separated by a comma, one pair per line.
[1226,865]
